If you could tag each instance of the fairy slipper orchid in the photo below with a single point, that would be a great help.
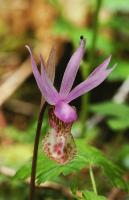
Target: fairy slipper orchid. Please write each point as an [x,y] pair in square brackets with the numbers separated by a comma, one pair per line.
[59,143]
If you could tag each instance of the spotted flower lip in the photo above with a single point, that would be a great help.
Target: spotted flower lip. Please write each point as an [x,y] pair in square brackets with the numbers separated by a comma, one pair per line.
[61,99]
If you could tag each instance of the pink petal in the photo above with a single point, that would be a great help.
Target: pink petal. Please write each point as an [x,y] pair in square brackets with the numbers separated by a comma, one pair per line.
[101,67]
[71,70]
[43,84]
[65,112]
[47,82]
[87,85]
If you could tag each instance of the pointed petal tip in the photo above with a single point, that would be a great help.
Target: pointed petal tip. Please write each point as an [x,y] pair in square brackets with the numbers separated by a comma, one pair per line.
[109,58]
[81,37]
[107,61]
[27,46]
[29,49]
[82,41]
[111,68]
[41,59]
[114,66]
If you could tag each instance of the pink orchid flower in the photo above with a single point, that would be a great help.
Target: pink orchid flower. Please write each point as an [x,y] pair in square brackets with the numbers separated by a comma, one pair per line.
[58,143]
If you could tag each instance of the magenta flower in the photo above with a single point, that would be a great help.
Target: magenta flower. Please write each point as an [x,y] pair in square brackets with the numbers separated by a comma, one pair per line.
[58,143]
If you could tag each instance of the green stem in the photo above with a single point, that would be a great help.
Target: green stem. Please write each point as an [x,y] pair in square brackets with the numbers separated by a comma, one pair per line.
[84,102]
[86,68]
[93,180]
[35,152]
[95,30]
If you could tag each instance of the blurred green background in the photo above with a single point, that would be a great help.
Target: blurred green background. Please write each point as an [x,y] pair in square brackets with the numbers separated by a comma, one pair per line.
[103,113]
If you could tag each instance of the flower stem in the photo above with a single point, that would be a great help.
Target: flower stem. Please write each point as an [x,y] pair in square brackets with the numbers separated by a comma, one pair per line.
[35,152]
[95,30]
[84,102]
[87,68]
[93,180]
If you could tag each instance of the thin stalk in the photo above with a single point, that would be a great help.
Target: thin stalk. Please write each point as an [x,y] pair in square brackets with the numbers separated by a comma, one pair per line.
[93,180]
[86,68]
[35,152]
[95,30]
[84,102]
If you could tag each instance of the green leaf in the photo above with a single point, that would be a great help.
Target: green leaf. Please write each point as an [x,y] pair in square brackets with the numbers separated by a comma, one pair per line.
[87,155]
[118,124]
[123,156]
[111,109]
[74,187]
[121,72]
[92,196]
[97,158]
[119,112]
[116,5]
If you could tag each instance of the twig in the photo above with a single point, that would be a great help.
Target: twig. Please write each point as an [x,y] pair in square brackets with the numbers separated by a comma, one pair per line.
[14,81]
[19,106]
[2,120]
[7,171]
[114,193]
[122,92]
